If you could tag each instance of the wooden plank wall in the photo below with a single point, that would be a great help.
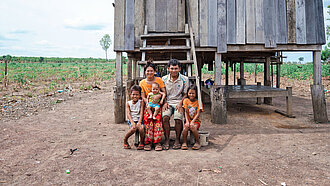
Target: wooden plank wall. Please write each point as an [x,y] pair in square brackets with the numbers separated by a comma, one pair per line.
[291,20]
[119,27]
[222,26]
[259,6]
[250,21]
[281,28]
[231,22]
[320,34]
[300,22]
[129,25]
[270,23]
[212,23]
[139,21]
[240,21]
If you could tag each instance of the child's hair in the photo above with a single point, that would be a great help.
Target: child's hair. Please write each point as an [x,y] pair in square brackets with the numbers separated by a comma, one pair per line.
[136,88]
[192,87]
[154,83]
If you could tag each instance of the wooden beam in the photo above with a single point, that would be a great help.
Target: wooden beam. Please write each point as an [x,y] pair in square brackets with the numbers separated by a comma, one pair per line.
[129,68]
[317,77]
[267,100]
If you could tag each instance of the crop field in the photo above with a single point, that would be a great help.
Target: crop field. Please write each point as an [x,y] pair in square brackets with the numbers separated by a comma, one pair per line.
[52,76]
[56,75]
[290,70]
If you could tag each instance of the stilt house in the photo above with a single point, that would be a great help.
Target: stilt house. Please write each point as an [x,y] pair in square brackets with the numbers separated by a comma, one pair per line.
[201,32]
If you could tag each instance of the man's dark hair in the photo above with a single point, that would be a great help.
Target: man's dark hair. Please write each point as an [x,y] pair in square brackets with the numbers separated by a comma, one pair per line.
[136,88]
[174,62]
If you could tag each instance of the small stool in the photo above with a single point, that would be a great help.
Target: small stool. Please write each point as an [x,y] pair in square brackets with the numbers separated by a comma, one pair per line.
[203,138]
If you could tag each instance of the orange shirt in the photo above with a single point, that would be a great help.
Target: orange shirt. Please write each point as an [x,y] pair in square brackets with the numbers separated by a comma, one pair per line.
[146,88]
[191,108]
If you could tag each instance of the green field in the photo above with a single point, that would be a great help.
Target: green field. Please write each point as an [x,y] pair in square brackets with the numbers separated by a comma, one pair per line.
[290,70]
[52,75]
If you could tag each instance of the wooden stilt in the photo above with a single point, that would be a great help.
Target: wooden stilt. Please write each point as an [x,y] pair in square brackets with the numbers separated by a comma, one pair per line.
[267,100]
[259,99]
[218,97]
[217,73]
[119,95]
[219,105]
[134,68]
[234,73]
[289,102]
[318,97]
[227,71]
[278,75]
[241,71]
[130,81]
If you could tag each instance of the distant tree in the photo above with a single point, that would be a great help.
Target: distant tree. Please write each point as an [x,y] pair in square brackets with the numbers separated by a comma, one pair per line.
[41,59]
[105,43]
[301,59]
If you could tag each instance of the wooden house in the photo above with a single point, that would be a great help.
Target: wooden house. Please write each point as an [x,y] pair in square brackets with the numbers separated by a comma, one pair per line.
[210,31]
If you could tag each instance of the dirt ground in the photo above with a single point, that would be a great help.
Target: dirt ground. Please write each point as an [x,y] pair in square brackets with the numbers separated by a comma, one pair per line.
[256,147]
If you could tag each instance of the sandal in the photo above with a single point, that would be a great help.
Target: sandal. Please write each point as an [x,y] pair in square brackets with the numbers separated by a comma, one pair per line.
[177,146]
[147,147]
[127,146]
[140,147]
[158,147]
[184,147]
[166,147]
[196,146]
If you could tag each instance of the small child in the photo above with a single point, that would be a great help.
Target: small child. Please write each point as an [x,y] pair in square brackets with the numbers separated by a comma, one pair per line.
[134,109]
[193,121]
[155,99]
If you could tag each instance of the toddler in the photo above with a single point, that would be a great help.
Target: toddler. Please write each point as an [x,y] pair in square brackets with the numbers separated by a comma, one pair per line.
[155,99]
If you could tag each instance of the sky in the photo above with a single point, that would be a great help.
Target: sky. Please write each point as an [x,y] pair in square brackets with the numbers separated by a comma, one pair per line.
[67,28]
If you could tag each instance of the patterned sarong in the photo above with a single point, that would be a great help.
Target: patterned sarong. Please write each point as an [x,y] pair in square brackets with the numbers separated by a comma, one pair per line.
[154,129]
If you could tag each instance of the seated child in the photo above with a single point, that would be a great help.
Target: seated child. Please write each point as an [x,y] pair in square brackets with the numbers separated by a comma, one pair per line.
[155,99]
[134,109]
[193,120]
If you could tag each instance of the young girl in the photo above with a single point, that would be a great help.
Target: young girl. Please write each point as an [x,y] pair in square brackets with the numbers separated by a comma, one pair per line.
[155,99]
[193,120]
[134,109]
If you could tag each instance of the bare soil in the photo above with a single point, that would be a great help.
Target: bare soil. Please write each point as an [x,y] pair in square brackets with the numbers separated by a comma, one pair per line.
[256,147]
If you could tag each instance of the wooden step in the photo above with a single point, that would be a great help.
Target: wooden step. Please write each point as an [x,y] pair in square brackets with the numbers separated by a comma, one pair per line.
[165,35]
[166,62]
[165,48]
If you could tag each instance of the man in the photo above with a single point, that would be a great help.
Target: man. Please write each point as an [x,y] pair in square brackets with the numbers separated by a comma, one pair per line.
[176,86]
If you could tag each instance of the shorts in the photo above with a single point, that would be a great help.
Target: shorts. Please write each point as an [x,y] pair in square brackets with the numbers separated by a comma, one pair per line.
[153,105]
[171,110]
[129,123]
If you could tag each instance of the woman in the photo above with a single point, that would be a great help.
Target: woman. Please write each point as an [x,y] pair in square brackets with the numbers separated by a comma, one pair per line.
[154,128]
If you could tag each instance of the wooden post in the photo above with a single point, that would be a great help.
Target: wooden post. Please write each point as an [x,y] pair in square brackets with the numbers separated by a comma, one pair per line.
[267,100]
[234,73]
[134,68]
[6,72]
[258,98]
[130,81]
[227,72]
[219,106]
[289,102]
[317,90]
[217,70]
[119,95]
[255,72]
[278,75]
[241,71]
